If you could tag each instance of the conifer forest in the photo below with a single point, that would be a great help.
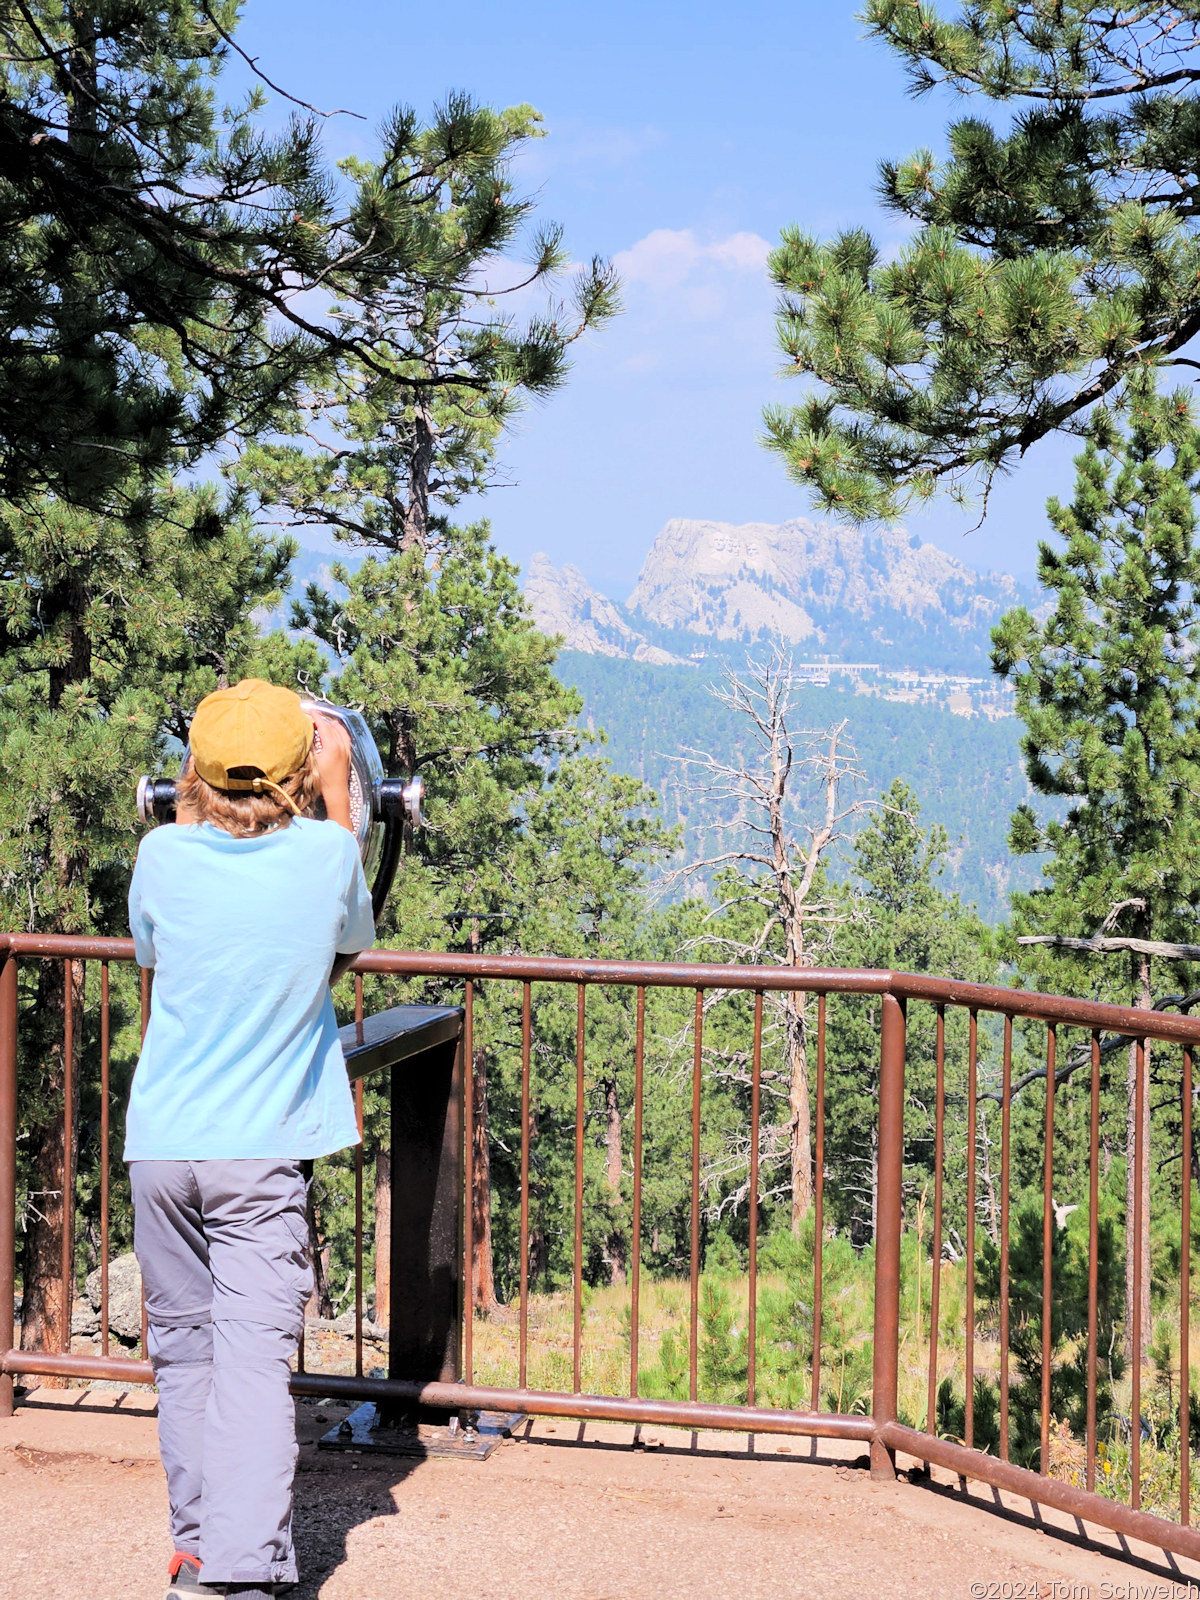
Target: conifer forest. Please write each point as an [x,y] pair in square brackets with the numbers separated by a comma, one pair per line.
[215,338]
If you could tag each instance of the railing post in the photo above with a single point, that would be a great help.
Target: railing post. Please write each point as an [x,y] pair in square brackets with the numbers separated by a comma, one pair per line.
[888,1214]
[8,1171]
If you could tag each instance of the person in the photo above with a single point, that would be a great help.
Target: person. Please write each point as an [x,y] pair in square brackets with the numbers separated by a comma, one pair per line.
[246,910]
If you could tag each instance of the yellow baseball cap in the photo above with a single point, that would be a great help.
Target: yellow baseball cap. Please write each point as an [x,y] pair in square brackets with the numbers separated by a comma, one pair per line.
[252,724]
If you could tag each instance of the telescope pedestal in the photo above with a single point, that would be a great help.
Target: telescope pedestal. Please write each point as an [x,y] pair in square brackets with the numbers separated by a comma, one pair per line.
[423,1046]
[365,1430]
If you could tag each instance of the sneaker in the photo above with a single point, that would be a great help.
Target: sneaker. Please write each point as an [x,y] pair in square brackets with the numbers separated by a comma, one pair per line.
[184,1573]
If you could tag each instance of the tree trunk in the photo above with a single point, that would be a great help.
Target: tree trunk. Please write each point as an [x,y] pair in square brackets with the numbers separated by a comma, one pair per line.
[1137,1248]
[383,1235]
[402,743]
[612,1144]
[989,1186]
[799,1113]
[321,1303]
[482,1275]
[46,1303]
[416,515]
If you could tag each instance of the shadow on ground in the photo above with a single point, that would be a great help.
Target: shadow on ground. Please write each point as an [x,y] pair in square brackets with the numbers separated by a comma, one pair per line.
[563,1512]
[337,1492]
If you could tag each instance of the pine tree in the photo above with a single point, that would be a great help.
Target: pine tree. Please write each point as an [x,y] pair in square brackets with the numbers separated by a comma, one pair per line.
[1068,1329]
[1107,688]
[154,247]
[1052,259]
[406,430]
[166,266]
[530,845]
[429,633]
[387,448]
[898,918]
[151,243]
[575,887]
[145,242]
[108,637]
[451,672]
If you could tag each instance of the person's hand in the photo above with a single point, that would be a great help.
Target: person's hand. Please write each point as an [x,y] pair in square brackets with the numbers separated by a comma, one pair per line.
[332,750]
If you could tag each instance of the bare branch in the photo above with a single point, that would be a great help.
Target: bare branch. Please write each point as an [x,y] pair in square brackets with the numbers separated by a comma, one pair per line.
[1101,945]
[776,863]
[252,63]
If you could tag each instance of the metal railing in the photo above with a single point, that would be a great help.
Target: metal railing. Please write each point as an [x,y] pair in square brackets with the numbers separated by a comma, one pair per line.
[991,1015]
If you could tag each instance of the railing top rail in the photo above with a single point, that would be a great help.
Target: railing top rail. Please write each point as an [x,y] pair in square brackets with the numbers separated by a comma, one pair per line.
[699,975]
[80,947]
[650,974]
[1047,1007]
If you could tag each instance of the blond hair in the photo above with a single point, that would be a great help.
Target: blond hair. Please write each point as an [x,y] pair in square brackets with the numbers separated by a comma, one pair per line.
[241,812]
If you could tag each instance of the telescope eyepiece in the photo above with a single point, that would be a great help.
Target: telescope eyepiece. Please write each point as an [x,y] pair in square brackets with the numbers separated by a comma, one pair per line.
[414,799]
[156,799]
[401,799]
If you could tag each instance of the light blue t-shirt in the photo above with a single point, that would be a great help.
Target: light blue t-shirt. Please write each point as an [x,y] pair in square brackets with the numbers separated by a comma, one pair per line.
[241,1056]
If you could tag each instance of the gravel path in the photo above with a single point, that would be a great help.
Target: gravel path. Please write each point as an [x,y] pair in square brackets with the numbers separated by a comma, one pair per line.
[552,1516]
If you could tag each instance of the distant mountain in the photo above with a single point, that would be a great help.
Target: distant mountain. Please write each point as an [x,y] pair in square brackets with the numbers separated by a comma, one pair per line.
[839,592]
[564,602]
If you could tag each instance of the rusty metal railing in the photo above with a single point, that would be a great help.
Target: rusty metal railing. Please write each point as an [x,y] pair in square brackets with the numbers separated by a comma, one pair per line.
[990,1011]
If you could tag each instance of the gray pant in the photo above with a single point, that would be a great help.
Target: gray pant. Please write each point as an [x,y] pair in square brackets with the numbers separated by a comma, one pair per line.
[223,1248]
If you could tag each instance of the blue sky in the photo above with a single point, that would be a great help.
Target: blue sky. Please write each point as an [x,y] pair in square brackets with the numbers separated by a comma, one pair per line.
[680,139]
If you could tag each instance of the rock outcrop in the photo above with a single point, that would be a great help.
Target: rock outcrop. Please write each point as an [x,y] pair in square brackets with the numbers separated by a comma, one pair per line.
[852,594]
[564,603]
[792,579]
[124,1297]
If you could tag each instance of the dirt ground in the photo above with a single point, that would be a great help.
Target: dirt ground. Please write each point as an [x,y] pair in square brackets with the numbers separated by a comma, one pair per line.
[560,1512]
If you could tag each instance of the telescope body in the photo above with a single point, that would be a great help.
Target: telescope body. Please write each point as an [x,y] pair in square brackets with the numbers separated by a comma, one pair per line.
[380,808]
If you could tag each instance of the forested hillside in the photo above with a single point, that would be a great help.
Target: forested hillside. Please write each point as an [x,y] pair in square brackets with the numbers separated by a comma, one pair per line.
[965,772]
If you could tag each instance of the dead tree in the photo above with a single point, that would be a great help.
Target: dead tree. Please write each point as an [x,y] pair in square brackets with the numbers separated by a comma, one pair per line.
[776,864]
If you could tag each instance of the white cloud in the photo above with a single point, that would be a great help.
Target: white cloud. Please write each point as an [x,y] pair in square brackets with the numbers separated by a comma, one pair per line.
[606,147]
[583,148]
[669,257]
[744,252]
